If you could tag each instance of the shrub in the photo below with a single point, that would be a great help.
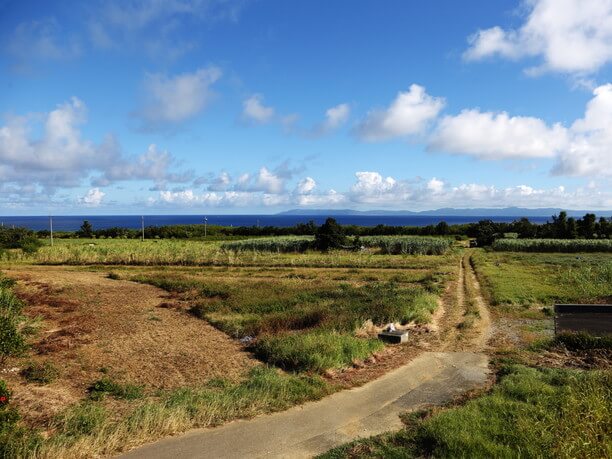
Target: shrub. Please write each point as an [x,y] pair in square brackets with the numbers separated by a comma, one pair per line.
[12,342]
[5,394]
[42,373]
[19,238]
[330,235]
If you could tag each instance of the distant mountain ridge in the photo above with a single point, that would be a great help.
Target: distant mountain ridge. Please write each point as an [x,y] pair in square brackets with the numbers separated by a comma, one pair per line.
[448,211]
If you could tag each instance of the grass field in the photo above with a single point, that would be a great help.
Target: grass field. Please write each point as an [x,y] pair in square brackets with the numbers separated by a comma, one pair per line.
[109,381]
[285,323]
[200,253]
[543,279]
[301,318]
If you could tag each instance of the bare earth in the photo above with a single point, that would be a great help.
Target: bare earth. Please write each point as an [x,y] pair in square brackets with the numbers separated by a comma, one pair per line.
[94,326]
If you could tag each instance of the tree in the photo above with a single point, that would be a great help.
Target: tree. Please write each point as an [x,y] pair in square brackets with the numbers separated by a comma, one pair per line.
[442,228]
[485,233]
[560,225]
[572,229]
[86,229]
[586,226]
[330,235]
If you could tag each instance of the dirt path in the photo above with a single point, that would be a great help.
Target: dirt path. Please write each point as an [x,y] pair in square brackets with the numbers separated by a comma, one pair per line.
[311,429]
[374,408]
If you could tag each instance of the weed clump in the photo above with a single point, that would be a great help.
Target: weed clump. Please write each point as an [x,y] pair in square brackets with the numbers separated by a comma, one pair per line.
[106,386]
[41,373]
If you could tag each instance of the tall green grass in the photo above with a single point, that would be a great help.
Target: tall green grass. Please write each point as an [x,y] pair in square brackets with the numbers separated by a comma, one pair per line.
[279,244]
[545,413]
[317,350]
[553,245]
[408,245]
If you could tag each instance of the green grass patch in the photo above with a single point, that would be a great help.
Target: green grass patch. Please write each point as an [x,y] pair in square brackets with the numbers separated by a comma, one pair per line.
[529,413]
[535,279]
[315,351]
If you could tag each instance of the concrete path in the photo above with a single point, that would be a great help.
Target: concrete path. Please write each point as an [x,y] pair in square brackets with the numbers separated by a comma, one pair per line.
[313,428]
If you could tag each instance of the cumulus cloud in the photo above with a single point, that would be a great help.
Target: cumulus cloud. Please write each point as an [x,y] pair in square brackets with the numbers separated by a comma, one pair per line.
[590,150]
[169,100]
[93,198]
[154,165]
[372,189]
[569,36]
[306,186]
[583,149]
[489,135]
[254,110]
[264,180]
[47,150]
[409,114]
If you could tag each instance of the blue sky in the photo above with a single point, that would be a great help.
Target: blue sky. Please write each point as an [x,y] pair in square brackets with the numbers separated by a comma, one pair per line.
[223,106]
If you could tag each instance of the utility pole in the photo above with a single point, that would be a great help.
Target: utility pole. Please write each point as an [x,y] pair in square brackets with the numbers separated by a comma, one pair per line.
[51,229]
[142,226]
[205,223]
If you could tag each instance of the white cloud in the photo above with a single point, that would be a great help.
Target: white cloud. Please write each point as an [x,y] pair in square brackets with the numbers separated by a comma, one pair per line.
[570,36]
[155,27]
[583,149]
[173,99]
[409,114]
[336,116]
[372,187]
[41,40]
[264,181]
[254,110]
[328,199]
[489,135]
[48,150]
[152,165]
[306,186]
[590,150]
[93,198]
[435,186]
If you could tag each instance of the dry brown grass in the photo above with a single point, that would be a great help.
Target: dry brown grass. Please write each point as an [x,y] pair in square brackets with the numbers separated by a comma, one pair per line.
[93,326]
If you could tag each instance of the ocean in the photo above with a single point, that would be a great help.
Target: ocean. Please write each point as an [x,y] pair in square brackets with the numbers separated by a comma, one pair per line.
[73,222]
